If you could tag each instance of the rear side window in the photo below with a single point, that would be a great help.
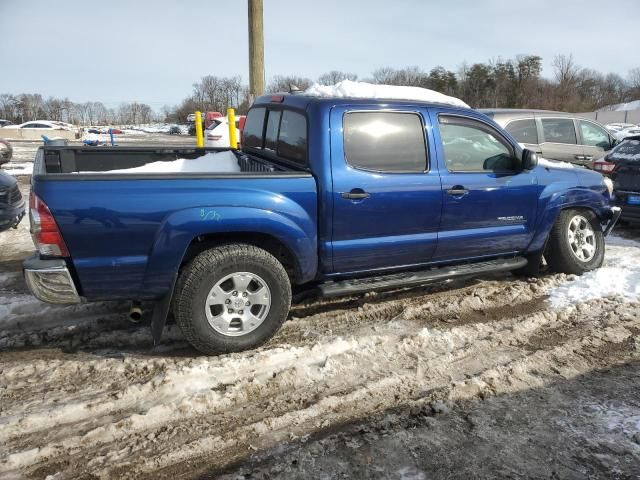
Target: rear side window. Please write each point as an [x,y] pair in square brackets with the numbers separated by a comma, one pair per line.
[285,134]
[253,128]
[385,141]
[271,134]
[559,130]
[292,139]
[524,131]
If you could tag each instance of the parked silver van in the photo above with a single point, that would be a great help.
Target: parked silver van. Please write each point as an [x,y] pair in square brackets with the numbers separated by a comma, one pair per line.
[556,135]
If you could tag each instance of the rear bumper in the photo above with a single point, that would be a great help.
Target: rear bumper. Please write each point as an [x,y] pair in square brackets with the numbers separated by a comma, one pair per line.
[630,213]
[50,280]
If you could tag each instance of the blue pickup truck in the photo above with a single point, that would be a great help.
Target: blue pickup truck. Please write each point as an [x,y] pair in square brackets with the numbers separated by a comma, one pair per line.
[329,195]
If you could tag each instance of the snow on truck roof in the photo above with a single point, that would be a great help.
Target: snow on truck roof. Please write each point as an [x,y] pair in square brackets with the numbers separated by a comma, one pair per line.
[351,89]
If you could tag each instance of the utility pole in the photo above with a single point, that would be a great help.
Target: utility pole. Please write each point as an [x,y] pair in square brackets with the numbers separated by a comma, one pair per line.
[256,49]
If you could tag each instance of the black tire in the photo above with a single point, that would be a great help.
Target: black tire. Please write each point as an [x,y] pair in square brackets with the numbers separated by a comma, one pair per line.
[206,270]
[560,255]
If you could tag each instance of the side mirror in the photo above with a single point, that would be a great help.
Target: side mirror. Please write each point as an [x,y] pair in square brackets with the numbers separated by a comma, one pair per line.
[529,159]
[613,141]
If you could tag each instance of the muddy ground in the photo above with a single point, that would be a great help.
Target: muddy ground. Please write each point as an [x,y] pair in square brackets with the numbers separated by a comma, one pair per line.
[492,377]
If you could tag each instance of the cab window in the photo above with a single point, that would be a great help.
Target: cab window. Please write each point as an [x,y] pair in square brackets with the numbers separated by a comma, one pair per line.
[471,146]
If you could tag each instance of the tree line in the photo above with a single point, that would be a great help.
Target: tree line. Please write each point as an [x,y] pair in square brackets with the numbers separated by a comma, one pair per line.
[33,106]
[497,83]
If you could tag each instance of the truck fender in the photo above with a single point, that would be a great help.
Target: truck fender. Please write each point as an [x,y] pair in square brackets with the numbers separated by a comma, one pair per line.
[553,200]
[178,230]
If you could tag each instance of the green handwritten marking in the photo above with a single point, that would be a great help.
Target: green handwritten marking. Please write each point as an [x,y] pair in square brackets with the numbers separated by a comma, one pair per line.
[209,214]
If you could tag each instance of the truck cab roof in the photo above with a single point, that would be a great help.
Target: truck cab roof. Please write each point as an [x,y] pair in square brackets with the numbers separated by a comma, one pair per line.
[302,101]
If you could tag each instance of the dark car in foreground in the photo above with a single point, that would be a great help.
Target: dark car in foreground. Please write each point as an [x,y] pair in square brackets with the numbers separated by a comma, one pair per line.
[624,164]
[6,151]
[12,205]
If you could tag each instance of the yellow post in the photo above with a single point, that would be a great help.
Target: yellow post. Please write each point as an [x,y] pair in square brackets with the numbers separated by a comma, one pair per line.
[233,137]
[199,136]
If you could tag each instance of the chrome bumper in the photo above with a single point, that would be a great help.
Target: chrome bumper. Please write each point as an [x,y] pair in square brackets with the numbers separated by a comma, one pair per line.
[615,216]
[50,280]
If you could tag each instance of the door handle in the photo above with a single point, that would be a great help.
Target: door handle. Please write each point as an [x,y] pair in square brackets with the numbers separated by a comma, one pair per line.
[579,157]
[457,191]
[355,194]
[588,157]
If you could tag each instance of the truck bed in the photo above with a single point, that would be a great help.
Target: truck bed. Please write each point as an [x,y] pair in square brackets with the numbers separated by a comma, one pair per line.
[126,231]
[158,162]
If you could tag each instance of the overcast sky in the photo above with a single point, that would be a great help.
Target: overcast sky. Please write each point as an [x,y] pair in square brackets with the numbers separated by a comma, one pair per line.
[153,50]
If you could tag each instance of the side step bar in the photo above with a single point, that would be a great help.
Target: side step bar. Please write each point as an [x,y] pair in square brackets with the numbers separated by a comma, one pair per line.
[424,277]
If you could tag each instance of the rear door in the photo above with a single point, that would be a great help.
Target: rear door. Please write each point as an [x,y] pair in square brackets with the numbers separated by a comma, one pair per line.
[387,198]
[560,141]
[489,203]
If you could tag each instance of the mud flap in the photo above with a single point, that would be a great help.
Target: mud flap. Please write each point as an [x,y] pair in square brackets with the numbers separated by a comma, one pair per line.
[160,313]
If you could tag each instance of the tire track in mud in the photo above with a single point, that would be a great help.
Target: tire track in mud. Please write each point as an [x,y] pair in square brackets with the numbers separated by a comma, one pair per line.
[291,397]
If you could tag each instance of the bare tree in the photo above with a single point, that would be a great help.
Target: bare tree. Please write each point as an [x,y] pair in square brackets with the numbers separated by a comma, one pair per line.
[335,76]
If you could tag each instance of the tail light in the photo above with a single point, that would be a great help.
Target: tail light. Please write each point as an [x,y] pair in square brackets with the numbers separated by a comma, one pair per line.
[603,166]
[44,230]
[215,138]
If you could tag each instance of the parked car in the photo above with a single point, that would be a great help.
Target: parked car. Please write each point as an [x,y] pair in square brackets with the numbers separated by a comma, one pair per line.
[556,135]
[6,151]
[622,150]
[174,130]
[616,127]
[623,163]
[12,205]
[336,196]
[217,135]
[5,123]
[46,125]
[627,133]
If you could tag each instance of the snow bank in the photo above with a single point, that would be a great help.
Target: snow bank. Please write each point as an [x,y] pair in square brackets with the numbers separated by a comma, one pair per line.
[350,89]
[618,107]
[214,162]
[618,277]
[18,168]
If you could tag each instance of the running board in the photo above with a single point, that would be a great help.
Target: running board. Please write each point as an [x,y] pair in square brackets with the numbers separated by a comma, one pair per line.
[424,277]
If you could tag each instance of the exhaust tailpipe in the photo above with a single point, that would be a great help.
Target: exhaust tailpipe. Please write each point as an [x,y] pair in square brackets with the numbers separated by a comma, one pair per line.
[135,313]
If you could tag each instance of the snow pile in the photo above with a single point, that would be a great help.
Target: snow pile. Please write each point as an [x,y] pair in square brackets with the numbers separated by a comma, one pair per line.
[350,89]
[214,162]
[16,169]
[619,107]
[618,277]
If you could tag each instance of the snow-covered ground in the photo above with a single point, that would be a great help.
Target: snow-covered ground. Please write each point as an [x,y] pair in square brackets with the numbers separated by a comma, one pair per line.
[83,394]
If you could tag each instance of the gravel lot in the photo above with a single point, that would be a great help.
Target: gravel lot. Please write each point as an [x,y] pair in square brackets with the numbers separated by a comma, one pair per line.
[477,378]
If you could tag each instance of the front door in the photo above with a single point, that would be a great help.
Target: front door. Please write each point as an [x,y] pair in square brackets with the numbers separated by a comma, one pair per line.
[386,197]
[489,205]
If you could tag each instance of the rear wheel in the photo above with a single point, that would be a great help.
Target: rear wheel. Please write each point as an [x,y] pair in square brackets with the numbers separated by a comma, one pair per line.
[576,243]
[232,298]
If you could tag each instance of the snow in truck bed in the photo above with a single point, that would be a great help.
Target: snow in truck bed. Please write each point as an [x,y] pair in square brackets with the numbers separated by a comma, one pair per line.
[350,89]
[213,162]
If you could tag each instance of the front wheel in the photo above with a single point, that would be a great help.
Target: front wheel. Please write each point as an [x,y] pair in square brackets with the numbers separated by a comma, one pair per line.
[232,298]
[576,243]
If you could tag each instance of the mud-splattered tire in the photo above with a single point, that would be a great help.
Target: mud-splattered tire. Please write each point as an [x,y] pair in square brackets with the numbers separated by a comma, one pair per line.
[213,301]
[576,243]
